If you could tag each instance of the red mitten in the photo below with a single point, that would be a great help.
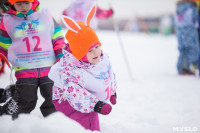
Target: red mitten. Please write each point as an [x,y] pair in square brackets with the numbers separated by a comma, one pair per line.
[113,99]
[102,108]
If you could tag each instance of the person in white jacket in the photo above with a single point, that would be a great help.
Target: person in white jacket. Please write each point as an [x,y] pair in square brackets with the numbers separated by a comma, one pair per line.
[84,81]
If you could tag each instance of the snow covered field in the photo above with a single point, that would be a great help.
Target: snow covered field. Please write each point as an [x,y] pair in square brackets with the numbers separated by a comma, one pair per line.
[157,101]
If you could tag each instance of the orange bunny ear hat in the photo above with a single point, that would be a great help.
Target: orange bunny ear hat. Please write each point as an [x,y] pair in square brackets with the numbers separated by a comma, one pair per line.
[80,35]
[14,1]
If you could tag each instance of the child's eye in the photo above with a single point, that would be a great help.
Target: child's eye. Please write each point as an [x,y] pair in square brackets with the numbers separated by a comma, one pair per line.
[97,46]
[90,50]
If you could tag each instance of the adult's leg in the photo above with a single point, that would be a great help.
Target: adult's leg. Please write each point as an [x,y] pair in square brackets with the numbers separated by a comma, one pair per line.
[180,62]
[191,46]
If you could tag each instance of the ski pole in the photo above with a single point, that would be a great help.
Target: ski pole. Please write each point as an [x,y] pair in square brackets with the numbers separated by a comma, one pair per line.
[116,28]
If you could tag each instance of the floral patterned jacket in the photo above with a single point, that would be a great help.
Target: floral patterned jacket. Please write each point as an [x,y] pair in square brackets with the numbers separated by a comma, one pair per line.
[82,84]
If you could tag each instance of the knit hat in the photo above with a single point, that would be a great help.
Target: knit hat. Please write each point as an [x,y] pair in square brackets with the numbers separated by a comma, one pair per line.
[14,1]
[80,35]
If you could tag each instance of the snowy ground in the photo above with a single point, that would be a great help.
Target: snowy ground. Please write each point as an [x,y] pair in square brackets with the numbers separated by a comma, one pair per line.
[157,101]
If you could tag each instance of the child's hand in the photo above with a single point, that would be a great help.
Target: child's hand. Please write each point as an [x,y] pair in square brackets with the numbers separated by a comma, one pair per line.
[102,108]
[113,99]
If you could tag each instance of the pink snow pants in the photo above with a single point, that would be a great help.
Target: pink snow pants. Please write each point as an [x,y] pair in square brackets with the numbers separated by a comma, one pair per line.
[87,120]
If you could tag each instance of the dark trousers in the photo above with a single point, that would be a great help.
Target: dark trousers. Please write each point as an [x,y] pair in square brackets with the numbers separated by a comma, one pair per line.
[26,94]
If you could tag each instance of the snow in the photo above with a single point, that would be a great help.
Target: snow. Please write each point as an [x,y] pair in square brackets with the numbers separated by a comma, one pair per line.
[157,100]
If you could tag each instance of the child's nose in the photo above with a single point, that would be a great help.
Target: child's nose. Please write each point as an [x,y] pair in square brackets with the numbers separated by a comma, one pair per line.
[24,6]
[96,52]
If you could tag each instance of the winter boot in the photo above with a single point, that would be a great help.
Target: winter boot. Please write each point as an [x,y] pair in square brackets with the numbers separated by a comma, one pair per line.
[2,100]
[187,71]
[1,111]
[6,93]
[11,107]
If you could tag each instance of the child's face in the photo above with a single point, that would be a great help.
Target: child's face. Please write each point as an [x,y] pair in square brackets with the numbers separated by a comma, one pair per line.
[23,6]
[94,54]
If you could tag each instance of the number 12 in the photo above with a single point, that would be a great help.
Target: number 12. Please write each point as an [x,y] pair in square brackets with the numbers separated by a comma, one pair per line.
[36,48]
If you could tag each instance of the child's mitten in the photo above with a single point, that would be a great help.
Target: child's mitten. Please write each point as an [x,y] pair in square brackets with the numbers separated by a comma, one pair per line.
[113,99]
[102,108]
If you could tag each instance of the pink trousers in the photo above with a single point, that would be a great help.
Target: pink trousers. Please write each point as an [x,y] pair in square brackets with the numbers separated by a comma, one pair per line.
[87,120]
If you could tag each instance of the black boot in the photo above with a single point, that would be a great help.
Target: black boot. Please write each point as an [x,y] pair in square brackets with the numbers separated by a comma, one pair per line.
[11,107]
[1,111]
[6,93]
[2,99]
[187,71]
[10,91]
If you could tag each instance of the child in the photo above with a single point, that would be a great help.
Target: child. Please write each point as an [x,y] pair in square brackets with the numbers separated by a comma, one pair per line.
[186,29]
[32,41]
[84,81]
[78,10]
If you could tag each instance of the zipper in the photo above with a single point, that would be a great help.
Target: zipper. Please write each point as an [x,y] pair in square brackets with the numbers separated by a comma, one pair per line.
[25,17]
[38,72]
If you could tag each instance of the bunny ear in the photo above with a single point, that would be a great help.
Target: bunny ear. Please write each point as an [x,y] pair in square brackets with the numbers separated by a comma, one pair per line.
[91,14]
[70,24]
